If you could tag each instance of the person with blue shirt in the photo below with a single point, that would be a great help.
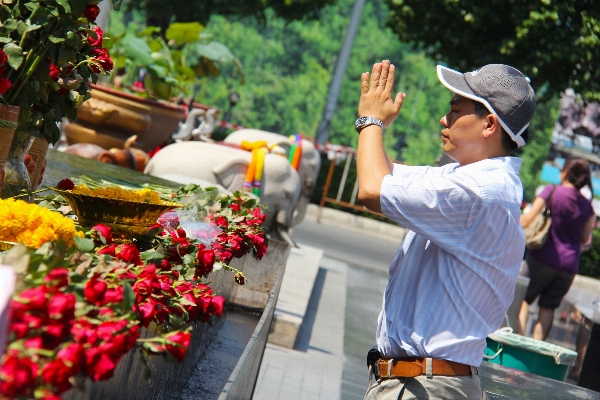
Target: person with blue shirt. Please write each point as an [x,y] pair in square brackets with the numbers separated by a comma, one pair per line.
[454,275]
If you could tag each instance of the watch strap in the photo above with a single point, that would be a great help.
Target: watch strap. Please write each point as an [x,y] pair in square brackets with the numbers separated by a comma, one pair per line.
[362,122]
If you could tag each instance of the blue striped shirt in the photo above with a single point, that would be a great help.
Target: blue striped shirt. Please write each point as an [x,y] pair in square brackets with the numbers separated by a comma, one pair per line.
[454,275]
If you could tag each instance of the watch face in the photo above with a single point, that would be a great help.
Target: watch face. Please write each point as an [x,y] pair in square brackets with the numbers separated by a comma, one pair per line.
[361,121]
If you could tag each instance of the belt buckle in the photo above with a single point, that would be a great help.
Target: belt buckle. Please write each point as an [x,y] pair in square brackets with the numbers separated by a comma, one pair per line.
[411,368]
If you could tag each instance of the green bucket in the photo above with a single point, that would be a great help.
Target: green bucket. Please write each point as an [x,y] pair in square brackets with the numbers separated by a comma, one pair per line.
[529,355]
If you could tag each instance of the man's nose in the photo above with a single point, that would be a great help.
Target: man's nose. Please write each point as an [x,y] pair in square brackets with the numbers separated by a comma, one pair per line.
[444,122]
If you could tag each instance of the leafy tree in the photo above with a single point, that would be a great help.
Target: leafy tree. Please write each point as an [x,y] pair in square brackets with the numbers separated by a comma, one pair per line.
[589,264]
[162,12]
[555,43]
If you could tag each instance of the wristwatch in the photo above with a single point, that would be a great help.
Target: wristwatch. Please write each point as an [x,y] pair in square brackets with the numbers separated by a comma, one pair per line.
[363,122]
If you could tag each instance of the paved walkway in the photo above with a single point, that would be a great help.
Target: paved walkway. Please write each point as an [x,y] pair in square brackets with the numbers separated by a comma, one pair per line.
[313,370]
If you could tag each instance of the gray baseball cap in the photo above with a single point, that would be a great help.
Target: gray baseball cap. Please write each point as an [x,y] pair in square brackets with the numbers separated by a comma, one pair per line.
[503,90]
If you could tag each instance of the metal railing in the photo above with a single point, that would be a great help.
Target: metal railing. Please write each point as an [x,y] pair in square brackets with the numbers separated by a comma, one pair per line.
[347,156]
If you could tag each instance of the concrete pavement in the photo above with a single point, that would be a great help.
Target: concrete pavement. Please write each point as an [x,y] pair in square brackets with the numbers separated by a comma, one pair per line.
[313,370]
[327,361]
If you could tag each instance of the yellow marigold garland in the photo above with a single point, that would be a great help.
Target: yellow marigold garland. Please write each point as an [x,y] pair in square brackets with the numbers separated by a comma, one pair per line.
[33,225]
[113,192]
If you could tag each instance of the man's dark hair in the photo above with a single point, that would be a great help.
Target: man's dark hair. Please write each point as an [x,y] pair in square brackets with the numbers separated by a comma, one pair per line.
[507,143]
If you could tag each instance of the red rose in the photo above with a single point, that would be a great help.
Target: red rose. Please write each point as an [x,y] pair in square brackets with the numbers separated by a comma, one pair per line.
[110,250]
[205,259]
[221,221]
[210,305]
[103,230]
[131,337]
[114,295]
[72,355]
[146,311]
[216,305]
[84,332]
[128,253]
[98,365]
[54,333]
[3,62]
[260,246]
[96,42]
[34,343]
[65,184]
[235,207]
[54,75]
[5,84]
[102,61]
[94,290]
[60,277]
[178,237]
[33,321]
[18,376]
[109,328]
[91,12]
[57,374]
[177,344]
[240,279]
[162,313]
[35,299]
[62,306]
[256,211]
[184,287]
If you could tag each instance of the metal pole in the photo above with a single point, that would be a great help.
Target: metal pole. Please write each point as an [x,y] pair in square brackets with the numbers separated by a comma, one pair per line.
[338,74]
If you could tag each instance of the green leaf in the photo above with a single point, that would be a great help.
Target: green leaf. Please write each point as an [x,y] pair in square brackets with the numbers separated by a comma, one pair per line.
[148,31]
[128,297]
[152,257]
[73,39]
[214,51]
[15,55]
[65,55]
[84,245]
[10,24]
[177,322]
[184,32]
[56,40]
[189,259]
[135,49]
[65,5]
[189,274]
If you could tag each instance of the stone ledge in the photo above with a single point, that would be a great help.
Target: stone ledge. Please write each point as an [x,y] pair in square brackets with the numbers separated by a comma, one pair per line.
[296,289]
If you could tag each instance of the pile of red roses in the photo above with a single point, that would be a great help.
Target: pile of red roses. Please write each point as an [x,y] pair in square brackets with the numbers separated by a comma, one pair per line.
[83,310]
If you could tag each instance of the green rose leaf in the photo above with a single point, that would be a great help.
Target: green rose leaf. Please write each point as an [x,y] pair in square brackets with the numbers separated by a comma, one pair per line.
[10,24]
[152,257]
[15,55]
[56,40]
[128,297]
[84,245]
[65,5]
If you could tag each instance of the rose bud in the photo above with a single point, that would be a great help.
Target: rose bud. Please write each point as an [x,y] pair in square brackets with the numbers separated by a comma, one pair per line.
[65,184]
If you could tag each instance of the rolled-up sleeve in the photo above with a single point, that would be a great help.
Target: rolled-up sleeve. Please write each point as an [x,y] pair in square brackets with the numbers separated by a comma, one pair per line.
[435,204]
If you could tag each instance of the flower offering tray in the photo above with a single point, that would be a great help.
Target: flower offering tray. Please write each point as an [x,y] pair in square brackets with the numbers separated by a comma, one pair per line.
[124,216]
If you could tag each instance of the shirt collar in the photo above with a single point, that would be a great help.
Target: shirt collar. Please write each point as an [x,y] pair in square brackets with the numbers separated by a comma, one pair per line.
[510,164]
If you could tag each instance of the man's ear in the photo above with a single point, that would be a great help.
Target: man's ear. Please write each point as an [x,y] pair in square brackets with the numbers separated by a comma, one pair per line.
[492,126]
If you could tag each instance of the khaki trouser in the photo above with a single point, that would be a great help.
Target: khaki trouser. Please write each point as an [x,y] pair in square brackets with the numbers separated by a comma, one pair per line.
[421,387]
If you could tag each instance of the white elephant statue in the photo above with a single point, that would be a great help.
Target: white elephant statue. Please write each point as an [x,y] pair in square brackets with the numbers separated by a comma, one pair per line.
[227,166]
[198,125]
[310,162]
